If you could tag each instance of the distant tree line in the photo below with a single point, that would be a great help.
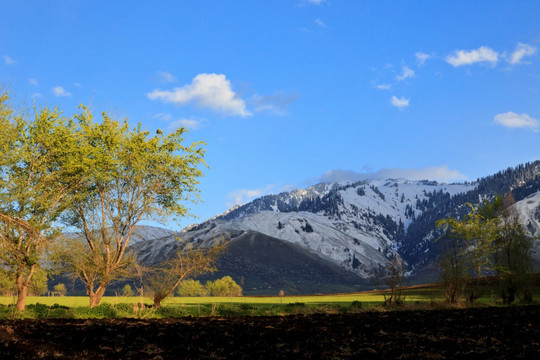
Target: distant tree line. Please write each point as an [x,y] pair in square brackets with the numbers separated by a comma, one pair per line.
[225,286]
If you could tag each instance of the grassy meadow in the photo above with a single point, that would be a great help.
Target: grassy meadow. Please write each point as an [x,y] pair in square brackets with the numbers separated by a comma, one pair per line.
[416,297]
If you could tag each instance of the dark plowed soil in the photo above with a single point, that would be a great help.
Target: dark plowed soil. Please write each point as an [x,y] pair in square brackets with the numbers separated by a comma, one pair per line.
[480,333]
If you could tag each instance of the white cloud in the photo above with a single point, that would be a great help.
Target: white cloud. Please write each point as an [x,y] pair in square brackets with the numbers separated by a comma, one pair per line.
[399,102]
[406,74]
[9,60]
[59,91]
[320,23]
[276,104]
[520,52]
[483,54]
[513,120]
[36,95]
[315,2]
[242,196]
[383,86]
[33,81]
[421,58]
[162,117]
[211,91]
[438,173]
[186,123]
[166,77]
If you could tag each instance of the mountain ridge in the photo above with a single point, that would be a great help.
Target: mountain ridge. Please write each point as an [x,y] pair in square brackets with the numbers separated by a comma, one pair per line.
[359,226]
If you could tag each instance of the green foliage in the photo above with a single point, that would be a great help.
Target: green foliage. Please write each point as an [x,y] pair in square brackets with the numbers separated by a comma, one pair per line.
[488,239]
[40,171]
[38,282]
[191,287]
[514,261]
[100,311]
[356,305]
[60,289]
[127,290]
[130,176]
[7,283]
[225,286]
[470,250]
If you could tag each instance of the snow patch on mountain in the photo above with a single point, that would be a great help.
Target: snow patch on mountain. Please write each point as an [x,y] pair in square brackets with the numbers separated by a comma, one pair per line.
[528,211]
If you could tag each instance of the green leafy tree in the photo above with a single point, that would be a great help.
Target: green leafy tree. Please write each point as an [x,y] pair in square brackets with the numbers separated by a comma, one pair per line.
[38,284]
[127,291]
[7,283]
[132,177]
[472,245]
[191,287]
[60,289]
[225,286]
[489,239]
[513,257]
[40,169]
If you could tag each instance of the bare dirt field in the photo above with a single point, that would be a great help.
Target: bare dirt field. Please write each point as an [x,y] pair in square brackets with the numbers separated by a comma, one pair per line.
[475,333]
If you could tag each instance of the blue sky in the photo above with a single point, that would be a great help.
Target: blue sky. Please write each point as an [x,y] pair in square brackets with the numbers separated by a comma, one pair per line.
[290,93]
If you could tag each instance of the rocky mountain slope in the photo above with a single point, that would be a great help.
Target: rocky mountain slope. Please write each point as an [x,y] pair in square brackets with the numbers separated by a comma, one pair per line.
[352,229]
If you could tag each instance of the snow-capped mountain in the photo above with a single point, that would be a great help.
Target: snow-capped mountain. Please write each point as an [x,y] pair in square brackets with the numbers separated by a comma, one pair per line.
[355,226]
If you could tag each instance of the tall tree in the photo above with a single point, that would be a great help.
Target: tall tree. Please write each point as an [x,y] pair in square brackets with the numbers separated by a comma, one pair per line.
[513,256]
[472,245]
[39,173]
[132,177]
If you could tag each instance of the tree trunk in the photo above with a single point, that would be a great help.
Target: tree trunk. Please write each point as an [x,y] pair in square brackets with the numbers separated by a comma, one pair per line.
[157,301]
[22,291]
[22,287]
[95,297]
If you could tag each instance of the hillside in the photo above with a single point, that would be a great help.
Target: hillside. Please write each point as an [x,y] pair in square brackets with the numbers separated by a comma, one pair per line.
[351,229]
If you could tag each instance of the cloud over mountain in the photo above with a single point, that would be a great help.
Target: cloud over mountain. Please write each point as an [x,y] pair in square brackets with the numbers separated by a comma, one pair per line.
[439,173]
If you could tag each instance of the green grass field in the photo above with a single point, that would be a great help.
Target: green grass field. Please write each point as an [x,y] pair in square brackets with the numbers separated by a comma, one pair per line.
[418,294]
[416,297]
[75,301]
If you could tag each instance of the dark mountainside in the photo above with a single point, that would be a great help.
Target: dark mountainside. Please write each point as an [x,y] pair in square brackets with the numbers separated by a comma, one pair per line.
[265,265]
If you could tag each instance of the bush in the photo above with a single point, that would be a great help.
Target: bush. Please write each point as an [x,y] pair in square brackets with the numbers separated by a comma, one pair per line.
[101,311]
[37,310]
[191,288]
[296,308]
[356,305]
[60,289]
[127,291]
[174,311]
[225,286]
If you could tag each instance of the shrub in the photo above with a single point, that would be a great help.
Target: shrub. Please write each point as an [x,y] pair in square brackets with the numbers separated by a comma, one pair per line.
[101,311]
[191,288]
[60,289]
[127,291]
[356,305]
[225,286]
